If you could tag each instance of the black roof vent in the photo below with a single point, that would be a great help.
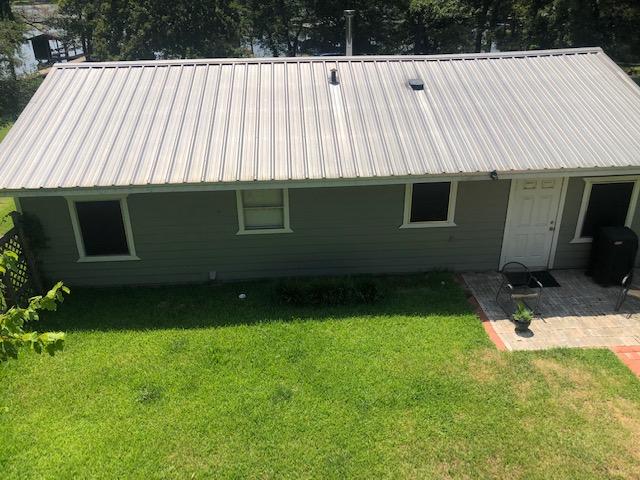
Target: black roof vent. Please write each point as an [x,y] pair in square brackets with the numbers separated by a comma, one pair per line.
[416,84]
[334,76]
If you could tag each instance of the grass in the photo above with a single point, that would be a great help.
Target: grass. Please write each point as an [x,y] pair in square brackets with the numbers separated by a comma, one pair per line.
[6,204]
[632,68]
[192,382]
[4,129]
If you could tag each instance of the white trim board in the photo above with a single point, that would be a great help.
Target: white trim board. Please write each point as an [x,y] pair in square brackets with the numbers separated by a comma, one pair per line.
[586,196]
[286,223]
[126,220]
[560,214]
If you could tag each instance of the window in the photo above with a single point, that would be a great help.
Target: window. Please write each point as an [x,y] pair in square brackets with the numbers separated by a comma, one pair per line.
[263,211]
[102,229]
[429,204]
[606,202]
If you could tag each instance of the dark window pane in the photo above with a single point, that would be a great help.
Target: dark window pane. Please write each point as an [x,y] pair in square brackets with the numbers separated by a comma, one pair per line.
[608,206]
[430,202]
[102,228]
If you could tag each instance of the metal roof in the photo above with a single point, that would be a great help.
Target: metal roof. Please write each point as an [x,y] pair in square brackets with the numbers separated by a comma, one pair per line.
[281,119]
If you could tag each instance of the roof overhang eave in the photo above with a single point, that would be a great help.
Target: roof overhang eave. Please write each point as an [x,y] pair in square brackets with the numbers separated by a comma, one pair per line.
[315,183]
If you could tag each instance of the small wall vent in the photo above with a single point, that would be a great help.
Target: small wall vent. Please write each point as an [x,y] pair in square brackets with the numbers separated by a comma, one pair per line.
[416,84]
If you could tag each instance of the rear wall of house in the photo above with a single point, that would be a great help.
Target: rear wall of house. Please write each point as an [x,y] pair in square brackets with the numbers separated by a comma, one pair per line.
[181,237]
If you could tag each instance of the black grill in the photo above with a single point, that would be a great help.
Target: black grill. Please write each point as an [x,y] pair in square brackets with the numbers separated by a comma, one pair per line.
[613,254]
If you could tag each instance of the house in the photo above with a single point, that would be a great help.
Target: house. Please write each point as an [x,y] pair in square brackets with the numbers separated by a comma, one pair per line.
[189,170]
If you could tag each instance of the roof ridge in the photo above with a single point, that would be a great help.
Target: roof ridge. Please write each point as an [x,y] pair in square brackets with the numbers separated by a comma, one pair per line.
[328,59]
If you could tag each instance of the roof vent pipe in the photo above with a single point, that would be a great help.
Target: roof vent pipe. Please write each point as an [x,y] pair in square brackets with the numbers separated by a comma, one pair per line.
[334,76]
[348,15]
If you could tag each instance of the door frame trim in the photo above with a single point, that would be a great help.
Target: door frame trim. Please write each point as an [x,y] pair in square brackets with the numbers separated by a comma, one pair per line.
[557,221]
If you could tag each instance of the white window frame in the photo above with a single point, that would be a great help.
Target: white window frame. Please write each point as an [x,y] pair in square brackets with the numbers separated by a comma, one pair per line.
[126,220]
[254,231]
[586,196]
[449,222]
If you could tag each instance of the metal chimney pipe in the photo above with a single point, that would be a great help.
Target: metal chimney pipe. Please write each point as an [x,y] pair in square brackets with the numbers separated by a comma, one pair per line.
[334,76]
[348,15]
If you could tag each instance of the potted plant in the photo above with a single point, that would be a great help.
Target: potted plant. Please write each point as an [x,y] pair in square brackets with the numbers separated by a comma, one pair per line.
[522,317]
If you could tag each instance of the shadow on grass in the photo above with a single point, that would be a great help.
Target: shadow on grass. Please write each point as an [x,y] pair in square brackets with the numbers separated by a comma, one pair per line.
[218,305]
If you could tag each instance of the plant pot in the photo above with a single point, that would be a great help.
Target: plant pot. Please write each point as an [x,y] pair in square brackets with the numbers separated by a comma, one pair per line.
[522,325]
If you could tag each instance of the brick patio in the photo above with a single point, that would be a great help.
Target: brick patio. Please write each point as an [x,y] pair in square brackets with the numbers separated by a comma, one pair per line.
[579,313]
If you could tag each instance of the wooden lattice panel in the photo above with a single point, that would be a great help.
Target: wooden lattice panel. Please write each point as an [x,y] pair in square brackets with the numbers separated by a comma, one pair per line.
[20,288]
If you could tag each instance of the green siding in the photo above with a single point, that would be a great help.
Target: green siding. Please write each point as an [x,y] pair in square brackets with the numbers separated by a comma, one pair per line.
[571,255]
[180,237]
[576,255]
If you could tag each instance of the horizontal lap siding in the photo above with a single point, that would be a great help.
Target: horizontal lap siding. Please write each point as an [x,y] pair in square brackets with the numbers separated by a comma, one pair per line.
[180,237]
[576,255]
[571,255]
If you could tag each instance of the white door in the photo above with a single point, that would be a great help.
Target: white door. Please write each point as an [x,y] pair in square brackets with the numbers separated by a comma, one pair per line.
[531,221]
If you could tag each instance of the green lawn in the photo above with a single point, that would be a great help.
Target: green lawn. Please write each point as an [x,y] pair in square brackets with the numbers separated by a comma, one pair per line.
[6,204]
[632,68]
[191,382]
[4,129]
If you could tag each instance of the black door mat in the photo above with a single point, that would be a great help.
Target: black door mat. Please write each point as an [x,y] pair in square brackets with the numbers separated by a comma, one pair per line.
[545,278]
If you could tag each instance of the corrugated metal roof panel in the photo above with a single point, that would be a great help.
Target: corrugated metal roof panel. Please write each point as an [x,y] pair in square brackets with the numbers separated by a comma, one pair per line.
[245,120]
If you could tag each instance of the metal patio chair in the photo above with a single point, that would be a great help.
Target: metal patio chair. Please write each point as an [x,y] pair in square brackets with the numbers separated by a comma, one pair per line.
[627,289]
[519,285]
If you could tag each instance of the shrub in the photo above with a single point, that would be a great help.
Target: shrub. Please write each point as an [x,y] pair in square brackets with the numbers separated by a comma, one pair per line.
[16,93]
[13,330]
[328,291]
[522,313]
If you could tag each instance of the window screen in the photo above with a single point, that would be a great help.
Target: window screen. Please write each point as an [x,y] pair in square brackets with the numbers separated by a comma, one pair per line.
[263,209]
[430,202]
[608,206]
[102,228]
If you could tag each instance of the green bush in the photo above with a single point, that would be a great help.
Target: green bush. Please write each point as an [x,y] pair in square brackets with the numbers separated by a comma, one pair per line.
[15,94]
[328,291]
[522,313]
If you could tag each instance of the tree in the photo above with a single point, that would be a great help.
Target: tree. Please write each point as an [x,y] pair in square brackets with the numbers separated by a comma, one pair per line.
[11,37]
[279,25]
[76,18]
[310,27]
[5,10]
[144,29]
[13,335]
[487,17]
[442,26]
[137,29]
[541,24]
[380,27]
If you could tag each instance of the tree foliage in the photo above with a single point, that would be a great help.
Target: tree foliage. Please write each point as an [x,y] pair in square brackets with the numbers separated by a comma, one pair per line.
[15,94]
[611,24]
[11,36]
[131,29]
[143,29]
[298,27]
[13,332]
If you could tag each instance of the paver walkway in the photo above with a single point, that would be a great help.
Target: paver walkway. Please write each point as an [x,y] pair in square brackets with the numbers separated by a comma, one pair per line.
[579,313]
